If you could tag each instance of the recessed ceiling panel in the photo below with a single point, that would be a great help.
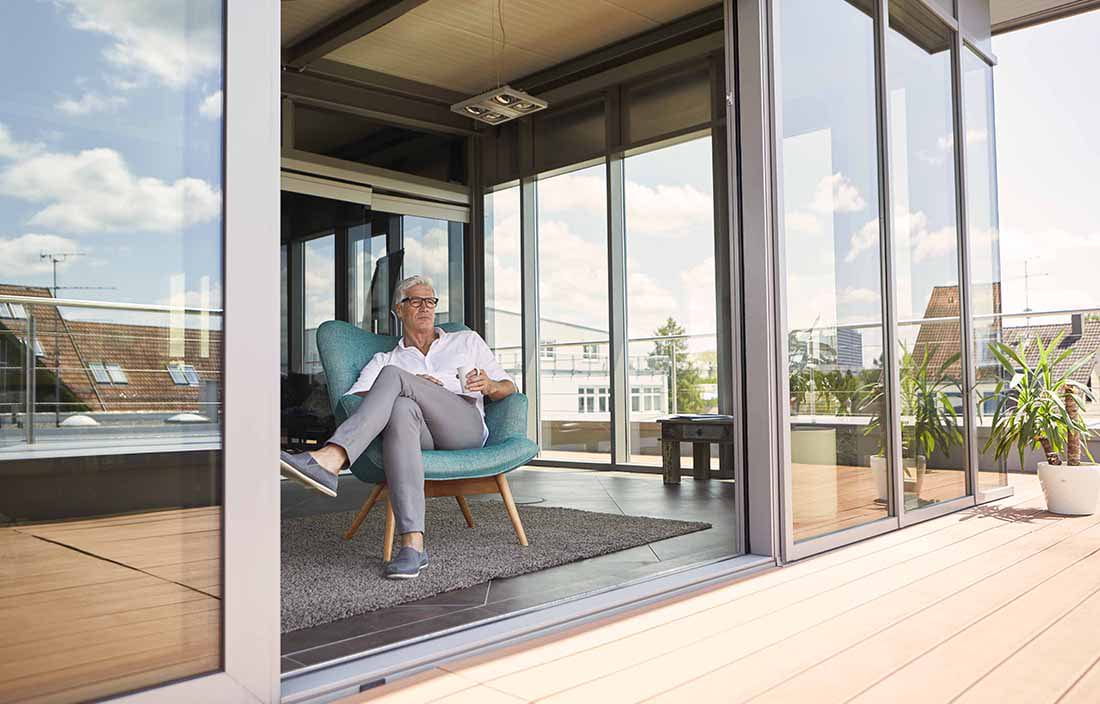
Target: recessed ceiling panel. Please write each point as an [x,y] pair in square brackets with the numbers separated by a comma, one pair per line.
[301,18]
[457,43]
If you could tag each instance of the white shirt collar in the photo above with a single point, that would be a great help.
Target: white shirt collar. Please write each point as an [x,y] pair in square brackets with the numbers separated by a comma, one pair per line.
[439,334]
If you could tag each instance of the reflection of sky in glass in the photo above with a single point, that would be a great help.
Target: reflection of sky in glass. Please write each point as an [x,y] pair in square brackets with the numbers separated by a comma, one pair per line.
[572,214]
[318,262]
[981,183]
[922,172]
[830,175]
[426,253]
[110,136]
[503,297]
[670,239]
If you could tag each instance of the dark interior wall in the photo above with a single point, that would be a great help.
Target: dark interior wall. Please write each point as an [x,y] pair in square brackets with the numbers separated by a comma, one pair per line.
[673,100]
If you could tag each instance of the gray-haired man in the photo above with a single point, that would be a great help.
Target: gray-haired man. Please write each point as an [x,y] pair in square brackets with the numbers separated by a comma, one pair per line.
[413,397]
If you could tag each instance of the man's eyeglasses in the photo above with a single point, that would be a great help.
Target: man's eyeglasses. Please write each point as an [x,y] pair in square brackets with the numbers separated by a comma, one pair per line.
[418,302]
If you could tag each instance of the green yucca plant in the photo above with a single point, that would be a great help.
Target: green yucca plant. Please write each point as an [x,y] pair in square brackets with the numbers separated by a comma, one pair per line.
[1037,407]
[931,421]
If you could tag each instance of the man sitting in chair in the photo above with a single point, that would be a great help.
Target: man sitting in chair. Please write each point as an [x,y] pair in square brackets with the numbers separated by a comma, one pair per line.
[413,397]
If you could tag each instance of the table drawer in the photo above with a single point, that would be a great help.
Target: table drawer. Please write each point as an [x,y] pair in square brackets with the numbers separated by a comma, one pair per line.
[701,431]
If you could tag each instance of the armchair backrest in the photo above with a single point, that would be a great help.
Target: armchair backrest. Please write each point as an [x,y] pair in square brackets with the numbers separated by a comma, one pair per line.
[345,350]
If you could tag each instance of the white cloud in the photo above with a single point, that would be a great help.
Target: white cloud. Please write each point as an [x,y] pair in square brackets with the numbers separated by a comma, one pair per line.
[173,41]
[929,245]
[20,256]
[94,191]
[578,193]
[89,103]
[10,149]
[863,239]
[858,296]
[211,106]
[836,194]
[797,221]
[667,209]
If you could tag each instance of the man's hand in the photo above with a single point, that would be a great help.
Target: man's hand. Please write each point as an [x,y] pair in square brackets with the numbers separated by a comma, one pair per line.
[431,378]
[478,380]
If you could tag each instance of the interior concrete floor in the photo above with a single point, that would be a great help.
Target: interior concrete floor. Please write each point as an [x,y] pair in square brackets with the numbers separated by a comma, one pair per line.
[591,490]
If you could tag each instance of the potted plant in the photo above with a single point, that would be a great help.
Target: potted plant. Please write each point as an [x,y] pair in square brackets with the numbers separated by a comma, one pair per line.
[1039,407]
[929,419]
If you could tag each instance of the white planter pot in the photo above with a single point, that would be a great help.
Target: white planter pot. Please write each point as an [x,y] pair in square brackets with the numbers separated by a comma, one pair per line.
[1071,491]
[912,473]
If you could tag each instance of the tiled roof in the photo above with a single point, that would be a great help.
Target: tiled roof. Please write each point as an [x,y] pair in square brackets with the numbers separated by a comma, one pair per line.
[1085,345]
[143,352]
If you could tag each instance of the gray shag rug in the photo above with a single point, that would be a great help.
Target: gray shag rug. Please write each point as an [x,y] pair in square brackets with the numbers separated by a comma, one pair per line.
[326,578]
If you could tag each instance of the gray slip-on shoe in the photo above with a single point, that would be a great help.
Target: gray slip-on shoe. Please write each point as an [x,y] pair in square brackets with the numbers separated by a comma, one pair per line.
[407,564]
[303,468]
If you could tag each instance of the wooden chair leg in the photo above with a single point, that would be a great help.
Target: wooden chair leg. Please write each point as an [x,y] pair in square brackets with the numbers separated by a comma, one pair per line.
[510,505]
[387,537]
[465,511]
[361,516]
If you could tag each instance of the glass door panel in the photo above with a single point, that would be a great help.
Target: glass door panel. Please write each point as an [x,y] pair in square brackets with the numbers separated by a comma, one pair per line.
[503,288]
[574,376]
[838,435]
[985,259]
[112,366]
[433,248]
[926,256]
[670,292]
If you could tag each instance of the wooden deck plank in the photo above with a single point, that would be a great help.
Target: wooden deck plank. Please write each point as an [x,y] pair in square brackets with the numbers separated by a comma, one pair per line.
[767,667]
[806,574]
[983,643]
[1085,690]
[854,672]
[1067,649]
[764,614]
[78,625]
[730,638]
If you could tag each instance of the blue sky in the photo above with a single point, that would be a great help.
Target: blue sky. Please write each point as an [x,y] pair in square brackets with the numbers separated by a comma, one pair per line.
[110,145]
[1048,150]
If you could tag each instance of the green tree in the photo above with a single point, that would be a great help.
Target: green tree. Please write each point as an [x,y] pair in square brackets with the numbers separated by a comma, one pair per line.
[689,395]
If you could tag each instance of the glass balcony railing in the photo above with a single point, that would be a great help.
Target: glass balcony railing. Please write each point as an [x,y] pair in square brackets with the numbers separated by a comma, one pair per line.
[104,376]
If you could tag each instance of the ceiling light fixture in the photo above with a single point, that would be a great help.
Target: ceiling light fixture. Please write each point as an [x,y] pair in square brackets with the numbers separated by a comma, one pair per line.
[502,103]
[499,105]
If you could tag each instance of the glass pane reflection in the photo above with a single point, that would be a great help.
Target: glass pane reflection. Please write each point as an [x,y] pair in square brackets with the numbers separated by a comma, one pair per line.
[111,196]
[926,263]
[574,378]
[985,258]
[831,239]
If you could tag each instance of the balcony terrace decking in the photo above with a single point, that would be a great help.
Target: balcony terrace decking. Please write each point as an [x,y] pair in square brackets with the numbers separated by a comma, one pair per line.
[996,603]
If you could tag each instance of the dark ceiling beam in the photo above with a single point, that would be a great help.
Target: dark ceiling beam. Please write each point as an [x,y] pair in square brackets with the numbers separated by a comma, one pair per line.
[354,25]
[367,78]
[308,89]
[666,36]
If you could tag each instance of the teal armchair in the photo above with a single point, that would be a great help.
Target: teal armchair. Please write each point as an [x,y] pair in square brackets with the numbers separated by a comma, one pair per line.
[345,350]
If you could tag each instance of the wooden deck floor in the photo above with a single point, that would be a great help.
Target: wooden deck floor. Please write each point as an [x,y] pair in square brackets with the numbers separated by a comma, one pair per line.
[996,604]
[97,607]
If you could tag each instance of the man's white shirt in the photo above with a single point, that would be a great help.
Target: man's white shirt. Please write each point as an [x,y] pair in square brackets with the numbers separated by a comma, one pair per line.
[448,352]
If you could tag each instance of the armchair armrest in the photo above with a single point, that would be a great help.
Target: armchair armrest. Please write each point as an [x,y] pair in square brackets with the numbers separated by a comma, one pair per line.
[506,418]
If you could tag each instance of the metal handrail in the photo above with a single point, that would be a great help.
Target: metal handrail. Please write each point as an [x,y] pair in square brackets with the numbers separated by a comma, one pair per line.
[106,305]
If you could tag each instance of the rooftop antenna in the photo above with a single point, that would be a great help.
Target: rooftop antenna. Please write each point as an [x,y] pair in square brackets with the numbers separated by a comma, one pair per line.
[55,258]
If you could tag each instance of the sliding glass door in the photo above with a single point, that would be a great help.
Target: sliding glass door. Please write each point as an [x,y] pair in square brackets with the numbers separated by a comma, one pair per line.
[890,305]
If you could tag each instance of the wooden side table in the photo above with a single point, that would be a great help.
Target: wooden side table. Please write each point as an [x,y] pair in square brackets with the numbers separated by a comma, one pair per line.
[700,431]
